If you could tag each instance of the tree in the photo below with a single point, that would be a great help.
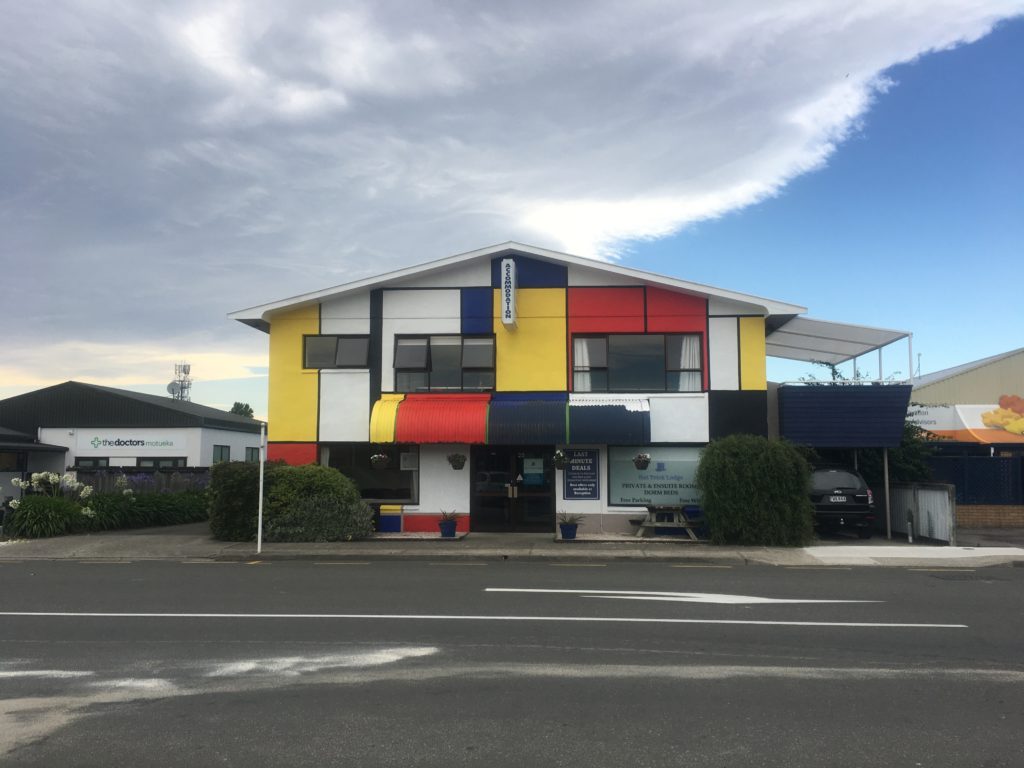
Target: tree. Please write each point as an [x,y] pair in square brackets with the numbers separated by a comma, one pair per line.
[242,409]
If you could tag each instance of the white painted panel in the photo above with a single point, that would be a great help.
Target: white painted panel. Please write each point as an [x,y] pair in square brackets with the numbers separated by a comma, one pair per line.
[681,418]
[123,446]
[415,312]
[237,442]
[580,276]
[726,307]
[344,406]
[346,314]
[724,352]
[442,487]
[473,275]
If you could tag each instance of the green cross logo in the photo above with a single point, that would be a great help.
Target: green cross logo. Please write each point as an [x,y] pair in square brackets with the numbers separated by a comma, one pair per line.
[96,442]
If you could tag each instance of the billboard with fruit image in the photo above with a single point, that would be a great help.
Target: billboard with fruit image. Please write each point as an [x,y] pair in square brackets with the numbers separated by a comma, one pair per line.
[993,423]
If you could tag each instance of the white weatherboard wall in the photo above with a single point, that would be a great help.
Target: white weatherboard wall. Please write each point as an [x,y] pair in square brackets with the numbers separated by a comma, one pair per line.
[236,441]
[345,406]
[346,314]
[724,352]
[442,487]
[416,312]
[681,418]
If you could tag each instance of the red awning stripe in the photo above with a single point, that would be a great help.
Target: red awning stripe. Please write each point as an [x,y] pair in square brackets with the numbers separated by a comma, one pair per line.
[435,418]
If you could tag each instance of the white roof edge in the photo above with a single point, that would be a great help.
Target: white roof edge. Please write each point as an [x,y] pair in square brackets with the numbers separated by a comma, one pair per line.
[818,348]
[256,316]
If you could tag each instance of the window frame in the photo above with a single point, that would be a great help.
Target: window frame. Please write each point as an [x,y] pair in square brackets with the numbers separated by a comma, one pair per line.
[93,462]
[177,462]
[225,449]
[463,368]
[606,368]
[248,452]
[337,337]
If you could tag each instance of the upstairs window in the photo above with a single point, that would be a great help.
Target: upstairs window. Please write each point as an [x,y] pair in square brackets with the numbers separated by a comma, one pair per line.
[336,352]
[444,363]
[632,362]
[221,453]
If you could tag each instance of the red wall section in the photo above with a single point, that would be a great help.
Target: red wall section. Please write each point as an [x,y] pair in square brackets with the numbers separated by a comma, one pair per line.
[292,453]
[428,524]
[671,312]
[606,310]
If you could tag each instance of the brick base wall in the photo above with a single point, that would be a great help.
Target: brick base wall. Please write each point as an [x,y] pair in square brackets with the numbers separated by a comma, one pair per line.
[990,516]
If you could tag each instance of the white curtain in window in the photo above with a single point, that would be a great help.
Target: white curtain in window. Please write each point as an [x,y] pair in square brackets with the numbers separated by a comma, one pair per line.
[581,359]
[689,353]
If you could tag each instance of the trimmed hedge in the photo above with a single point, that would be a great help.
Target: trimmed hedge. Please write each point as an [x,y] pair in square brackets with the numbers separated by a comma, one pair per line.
[304,503]
[755,492]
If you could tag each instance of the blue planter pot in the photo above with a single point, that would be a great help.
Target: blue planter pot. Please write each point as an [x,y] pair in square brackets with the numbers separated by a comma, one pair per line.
[447,529]
[568,530]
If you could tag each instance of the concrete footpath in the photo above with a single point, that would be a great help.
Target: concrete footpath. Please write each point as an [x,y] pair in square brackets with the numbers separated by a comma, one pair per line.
[193,542]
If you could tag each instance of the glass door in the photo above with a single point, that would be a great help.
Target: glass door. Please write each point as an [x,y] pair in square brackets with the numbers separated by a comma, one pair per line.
[513,489]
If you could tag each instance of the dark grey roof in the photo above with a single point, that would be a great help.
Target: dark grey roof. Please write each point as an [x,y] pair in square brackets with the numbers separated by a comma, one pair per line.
[10,440]
[74,404]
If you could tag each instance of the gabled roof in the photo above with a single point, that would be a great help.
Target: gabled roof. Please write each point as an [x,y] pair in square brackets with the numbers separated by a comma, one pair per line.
[258,316]
[789,336]
[958,370]
[75,404]
[10,440]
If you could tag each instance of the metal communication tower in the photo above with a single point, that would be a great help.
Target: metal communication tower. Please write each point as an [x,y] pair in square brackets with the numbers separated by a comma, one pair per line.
[181,387]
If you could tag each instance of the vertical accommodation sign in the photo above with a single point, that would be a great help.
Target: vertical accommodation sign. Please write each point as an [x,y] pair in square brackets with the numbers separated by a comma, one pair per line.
[508,292]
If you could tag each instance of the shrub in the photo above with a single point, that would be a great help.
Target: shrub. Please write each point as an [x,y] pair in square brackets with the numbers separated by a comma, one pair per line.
[40,516]
[314,503]
[233,498]
[755,492]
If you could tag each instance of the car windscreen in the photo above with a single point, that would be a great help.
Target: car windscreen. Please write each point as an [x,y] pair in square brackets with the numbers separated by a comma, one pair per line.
[826,480]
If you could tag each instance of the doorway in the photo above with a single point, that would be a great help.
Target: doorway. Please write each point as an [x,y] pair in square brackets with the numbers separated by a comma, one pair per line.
[513,488]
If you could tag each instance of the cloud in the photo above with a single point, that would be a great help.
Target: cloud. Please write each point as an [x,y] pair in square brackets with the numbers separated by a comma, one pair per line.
[162,170]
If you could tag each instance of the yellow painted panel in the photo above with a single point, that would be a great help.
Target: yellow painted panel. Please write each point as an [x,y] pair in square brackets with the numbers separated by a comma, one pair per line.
[292,405]
[531,357]
[753,354]
[390,508]
[383,418]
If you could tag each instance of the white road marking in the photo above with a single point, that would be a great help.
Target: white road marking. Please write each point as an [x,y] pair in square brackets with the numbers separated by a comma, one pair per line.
[675,597]
[298,665]
[457,617]
[58,674]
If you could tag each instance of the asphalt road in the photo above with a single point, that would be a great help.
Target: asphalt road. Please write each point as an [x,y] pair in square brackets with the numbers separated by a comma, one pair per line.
[508,664]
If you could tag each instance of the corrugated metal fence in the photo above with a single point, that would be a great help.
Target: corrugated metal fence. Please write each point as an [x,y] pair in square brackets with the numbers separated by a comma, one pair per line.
[932,507]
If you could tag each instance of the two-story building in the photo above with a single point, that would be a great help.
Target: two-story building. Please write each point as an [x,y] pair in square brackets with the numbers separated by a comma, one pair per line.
[509,354]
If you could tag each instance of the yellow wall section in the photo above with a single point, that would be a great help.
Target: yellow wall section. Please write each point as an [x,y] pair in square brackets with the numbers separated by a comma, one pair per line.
[531,357]
[293,394]
[753,354]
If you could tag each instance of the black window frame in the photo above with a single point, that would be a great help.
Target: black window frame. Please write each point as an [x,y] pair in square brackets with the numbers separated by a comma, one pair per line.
[361,466]
[463,368]
[252,455]
[224,449]
[176,462]
[337,337]
[92,462]
[606,368]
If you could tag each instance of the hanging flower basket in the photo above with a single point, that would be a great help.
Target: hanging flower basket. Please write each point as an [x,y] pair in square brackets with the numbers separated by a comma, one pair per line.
[380,460]
[457,460]
[559,459]
[642,460]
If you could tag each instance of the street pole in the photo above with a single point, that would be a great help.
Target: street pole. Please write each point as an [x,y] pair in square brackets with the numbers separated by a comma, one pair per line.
[259,514]
[885,476]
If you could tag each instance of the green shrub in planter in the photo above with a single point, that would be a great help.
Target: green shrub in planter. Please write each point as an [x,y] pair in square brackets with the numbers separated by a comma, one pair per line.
[754,492]
[233,498]
[39,517]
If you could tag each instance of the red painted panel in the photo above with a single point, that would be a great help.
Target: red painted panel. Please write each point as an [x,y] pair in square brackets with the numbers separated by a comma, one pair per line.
[292,453]
[672,312]
[442,419]
[428,524]
[668,311]
[606,310]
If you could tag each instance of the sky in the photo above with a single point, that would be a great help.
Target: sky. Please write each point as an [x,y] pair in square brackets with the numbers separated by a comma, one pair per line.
[163,165]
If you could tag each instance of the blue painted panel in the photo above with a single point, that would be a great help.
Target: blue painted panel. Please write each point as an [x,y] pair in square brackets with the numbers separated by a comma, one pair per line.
[608,424]
[532,273]
[477,311]
[844,416]
[390,524]
[558,397]
[526,421]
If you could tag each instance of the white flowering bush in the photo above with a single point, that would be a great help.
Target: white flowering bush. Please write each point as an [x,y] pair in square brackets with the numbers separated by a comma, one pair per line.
[54,504]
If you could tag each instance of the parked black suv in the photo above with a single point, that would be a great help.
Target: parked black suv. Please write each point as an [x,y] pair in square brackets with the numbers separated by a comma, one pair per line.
[842,500]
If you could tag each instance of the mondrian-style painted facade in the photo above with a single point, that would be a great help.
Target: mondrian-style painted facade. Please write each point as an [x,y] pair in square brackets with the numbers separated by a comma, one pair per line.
[505,356]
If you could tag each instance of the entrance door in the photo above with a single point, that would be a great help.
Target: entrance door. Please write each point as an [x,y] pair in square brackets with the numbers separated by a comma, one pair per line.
[513,488]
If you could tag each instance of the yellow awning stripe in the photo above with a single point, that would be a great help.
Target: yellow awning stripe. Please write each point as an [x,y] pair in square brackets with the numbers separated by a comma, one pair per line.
[383,418]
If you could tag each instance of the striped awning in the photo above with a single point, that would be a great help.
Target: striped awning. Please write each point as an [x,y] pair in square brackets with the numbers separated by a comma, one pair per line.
[436,418]
[604,419]
[527,419]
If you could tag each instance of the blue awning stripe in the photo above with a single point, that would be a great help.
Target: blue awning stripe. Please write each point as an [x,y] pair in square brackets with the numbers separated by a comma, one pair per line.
[521,421]
[608,425]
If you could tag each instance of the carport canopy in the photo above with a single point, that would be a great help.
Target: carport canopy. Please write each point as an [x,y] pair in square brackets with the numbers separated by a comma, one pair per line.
[823,341]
